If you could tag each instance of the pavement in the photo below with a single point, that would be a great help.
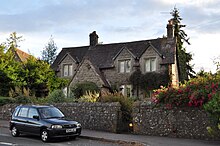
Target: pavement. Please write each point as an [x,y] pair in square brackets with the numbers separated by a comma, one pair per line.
[136,140]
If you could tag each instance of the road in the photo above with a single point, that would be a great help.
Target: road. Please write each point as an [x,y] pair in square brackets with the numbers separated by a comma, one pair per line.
[24,140]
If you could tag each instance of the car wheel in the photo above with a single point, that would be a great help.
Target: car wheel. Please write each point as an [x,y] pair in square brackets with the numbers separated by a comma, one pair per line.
[14,131]
[44,135]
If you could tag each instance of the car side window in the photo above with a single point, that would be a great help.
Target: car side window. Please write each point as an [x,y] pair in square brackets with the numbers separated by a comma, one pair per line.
[32,112]
[23,112]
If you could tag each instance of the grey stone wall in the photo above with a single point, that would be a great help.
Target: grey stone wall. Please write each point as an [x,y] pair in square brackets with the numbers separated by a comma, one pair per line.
[96,116]
[177,122]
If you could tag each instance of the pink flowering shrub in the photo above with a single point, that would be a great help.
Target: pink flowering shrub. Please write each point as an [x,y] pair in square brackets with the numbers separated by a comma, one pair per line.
[194,93]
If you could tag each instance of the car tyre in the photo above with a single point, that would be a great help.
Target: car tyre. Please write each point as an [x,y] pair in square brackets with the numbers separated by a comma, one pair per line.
[15,132]
[44,135]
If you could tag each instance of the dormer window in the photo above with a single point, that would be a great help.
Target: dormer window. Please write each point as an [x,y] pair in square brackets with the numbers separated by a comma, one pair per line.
[150,64]
[124,66]
[67,70]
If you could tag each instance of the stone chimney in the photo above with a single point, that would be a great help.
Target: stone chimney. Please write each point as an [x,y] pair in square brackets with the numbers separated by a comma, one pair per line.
[93,38]
[170,29]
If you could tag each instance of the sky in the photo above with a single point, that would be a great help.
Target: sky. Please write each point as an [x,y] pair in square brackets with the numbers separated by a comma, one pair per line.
[70,22]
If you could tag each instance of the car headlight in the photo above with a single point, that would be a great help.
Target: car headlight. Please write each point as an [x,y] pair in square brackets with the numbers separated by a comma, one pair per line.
[78,125]
[56,127]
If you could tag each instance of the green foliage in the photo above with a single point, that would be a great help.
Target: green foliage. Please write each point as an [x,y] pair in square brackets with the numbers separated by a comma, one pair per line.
[213,106]
[6,100]
[148,81]
[126,104]
[57,96]
[21,99]
[50,51]
[80,89]
[183,58]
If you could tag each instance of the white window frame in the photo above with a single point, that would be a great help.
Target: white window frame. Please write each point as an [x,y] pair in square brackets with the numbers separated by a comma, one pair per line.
[150,64]
[69,71]
[124,66]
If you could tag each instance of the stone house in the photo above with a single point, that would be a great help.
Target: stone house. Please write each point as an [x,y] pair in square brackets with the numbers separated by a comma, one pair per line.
[110,65]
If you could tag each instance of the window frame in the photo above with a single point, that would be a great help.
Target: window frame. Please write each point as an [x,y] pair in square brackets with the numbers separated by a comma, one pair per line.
[150,63]
[125,68]
[69,70]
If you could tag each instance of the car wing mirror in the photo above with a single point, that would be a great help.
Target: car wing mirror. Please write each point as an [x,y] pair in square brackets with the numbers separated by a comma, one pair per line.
[36,117]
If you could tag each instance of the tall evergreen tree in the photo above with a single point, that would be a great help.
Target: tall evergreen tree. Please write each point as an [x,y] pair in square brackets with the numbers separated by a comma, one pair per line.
[50,51]
[183,58]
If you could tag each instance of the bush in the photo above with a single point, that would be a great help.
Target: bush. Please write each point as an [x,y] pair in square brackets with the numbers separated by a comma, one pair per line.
[22,99]
[126,104]
[89,97]
[56,96]
[80,89]
[196,92]
[6,100]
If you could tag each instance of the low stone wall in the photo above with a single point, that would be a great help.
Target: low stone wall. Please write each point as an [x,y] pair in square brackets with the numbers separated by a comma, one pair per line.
[96,116]
[177,122]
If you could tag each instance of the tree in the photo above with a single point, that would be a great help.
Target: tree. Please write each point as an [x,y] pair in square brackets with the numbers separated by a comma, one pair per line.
[50,51]
[183,58]
[40,78]
[12,41]
[9,68]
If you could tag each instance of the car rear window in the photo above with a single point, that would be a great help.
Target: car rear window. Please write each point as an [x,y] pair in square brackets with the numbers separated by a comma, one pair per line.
[23,112]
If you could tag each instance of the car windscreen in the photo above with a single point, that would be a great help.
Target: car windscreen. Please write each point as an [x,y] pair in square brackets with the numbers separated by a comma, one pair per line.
[50,112]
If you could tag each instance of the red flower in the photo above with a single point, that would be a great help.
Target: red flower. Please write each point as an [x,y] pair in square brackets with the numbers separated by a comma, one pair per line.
[190,104]
[209,96]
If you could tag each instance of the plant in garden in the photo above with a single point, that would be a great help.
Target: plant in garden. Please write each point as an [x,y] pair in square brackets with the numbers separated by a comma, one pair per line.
[80,89]
[194,93]
[89,97]
[126,104]
[56,96]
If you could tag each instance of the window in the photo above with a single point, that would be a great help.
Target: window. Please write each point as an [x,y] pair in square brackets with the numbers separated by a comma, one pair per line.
[67,70]
[150,64]
[125,66]
[126,90]
[32,112]
[23,112]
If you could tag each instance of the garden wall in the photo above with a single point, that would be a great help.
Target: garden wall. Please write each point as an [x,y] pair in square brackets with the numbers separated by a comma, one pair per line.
[181,122]
[177,122]
[96,116]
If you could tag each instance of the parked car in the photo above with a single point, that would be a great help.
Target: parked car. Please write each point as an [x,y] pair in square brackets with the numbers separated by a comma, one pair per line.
[46,121]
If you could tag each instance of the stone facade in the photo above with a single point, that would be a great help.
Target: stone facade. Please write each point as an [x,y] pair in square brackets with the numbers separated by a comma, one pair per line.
[87,72]
[177,122]
[67,60]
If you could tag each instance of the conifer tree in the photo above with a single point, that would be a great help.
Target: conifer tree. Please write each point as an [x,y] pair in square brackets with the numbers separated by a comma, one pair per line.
[50,51]
[183,58]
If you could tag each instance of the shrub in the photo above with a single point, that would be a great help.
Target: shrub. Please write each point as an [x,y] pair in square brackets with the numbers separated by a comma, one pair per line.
[195,92]
[80,89]
[56,96]
[22,99]
[89,97]
[6,100]
[126,104]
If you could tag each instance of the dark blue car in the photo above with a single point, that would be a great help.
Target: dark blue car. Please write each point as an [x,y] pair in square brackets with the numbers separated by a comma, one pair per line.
[46,121]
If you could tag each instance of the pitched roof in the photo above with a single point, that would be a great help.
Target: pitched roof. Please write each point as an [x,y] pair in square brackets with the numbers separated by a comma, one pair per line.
[103,55]
[77,54]
[23,56]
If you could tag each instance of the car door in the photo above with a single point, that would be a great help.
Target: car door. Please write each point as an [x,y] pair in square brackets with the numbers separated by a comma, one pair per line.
[21,119]
[33,124]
